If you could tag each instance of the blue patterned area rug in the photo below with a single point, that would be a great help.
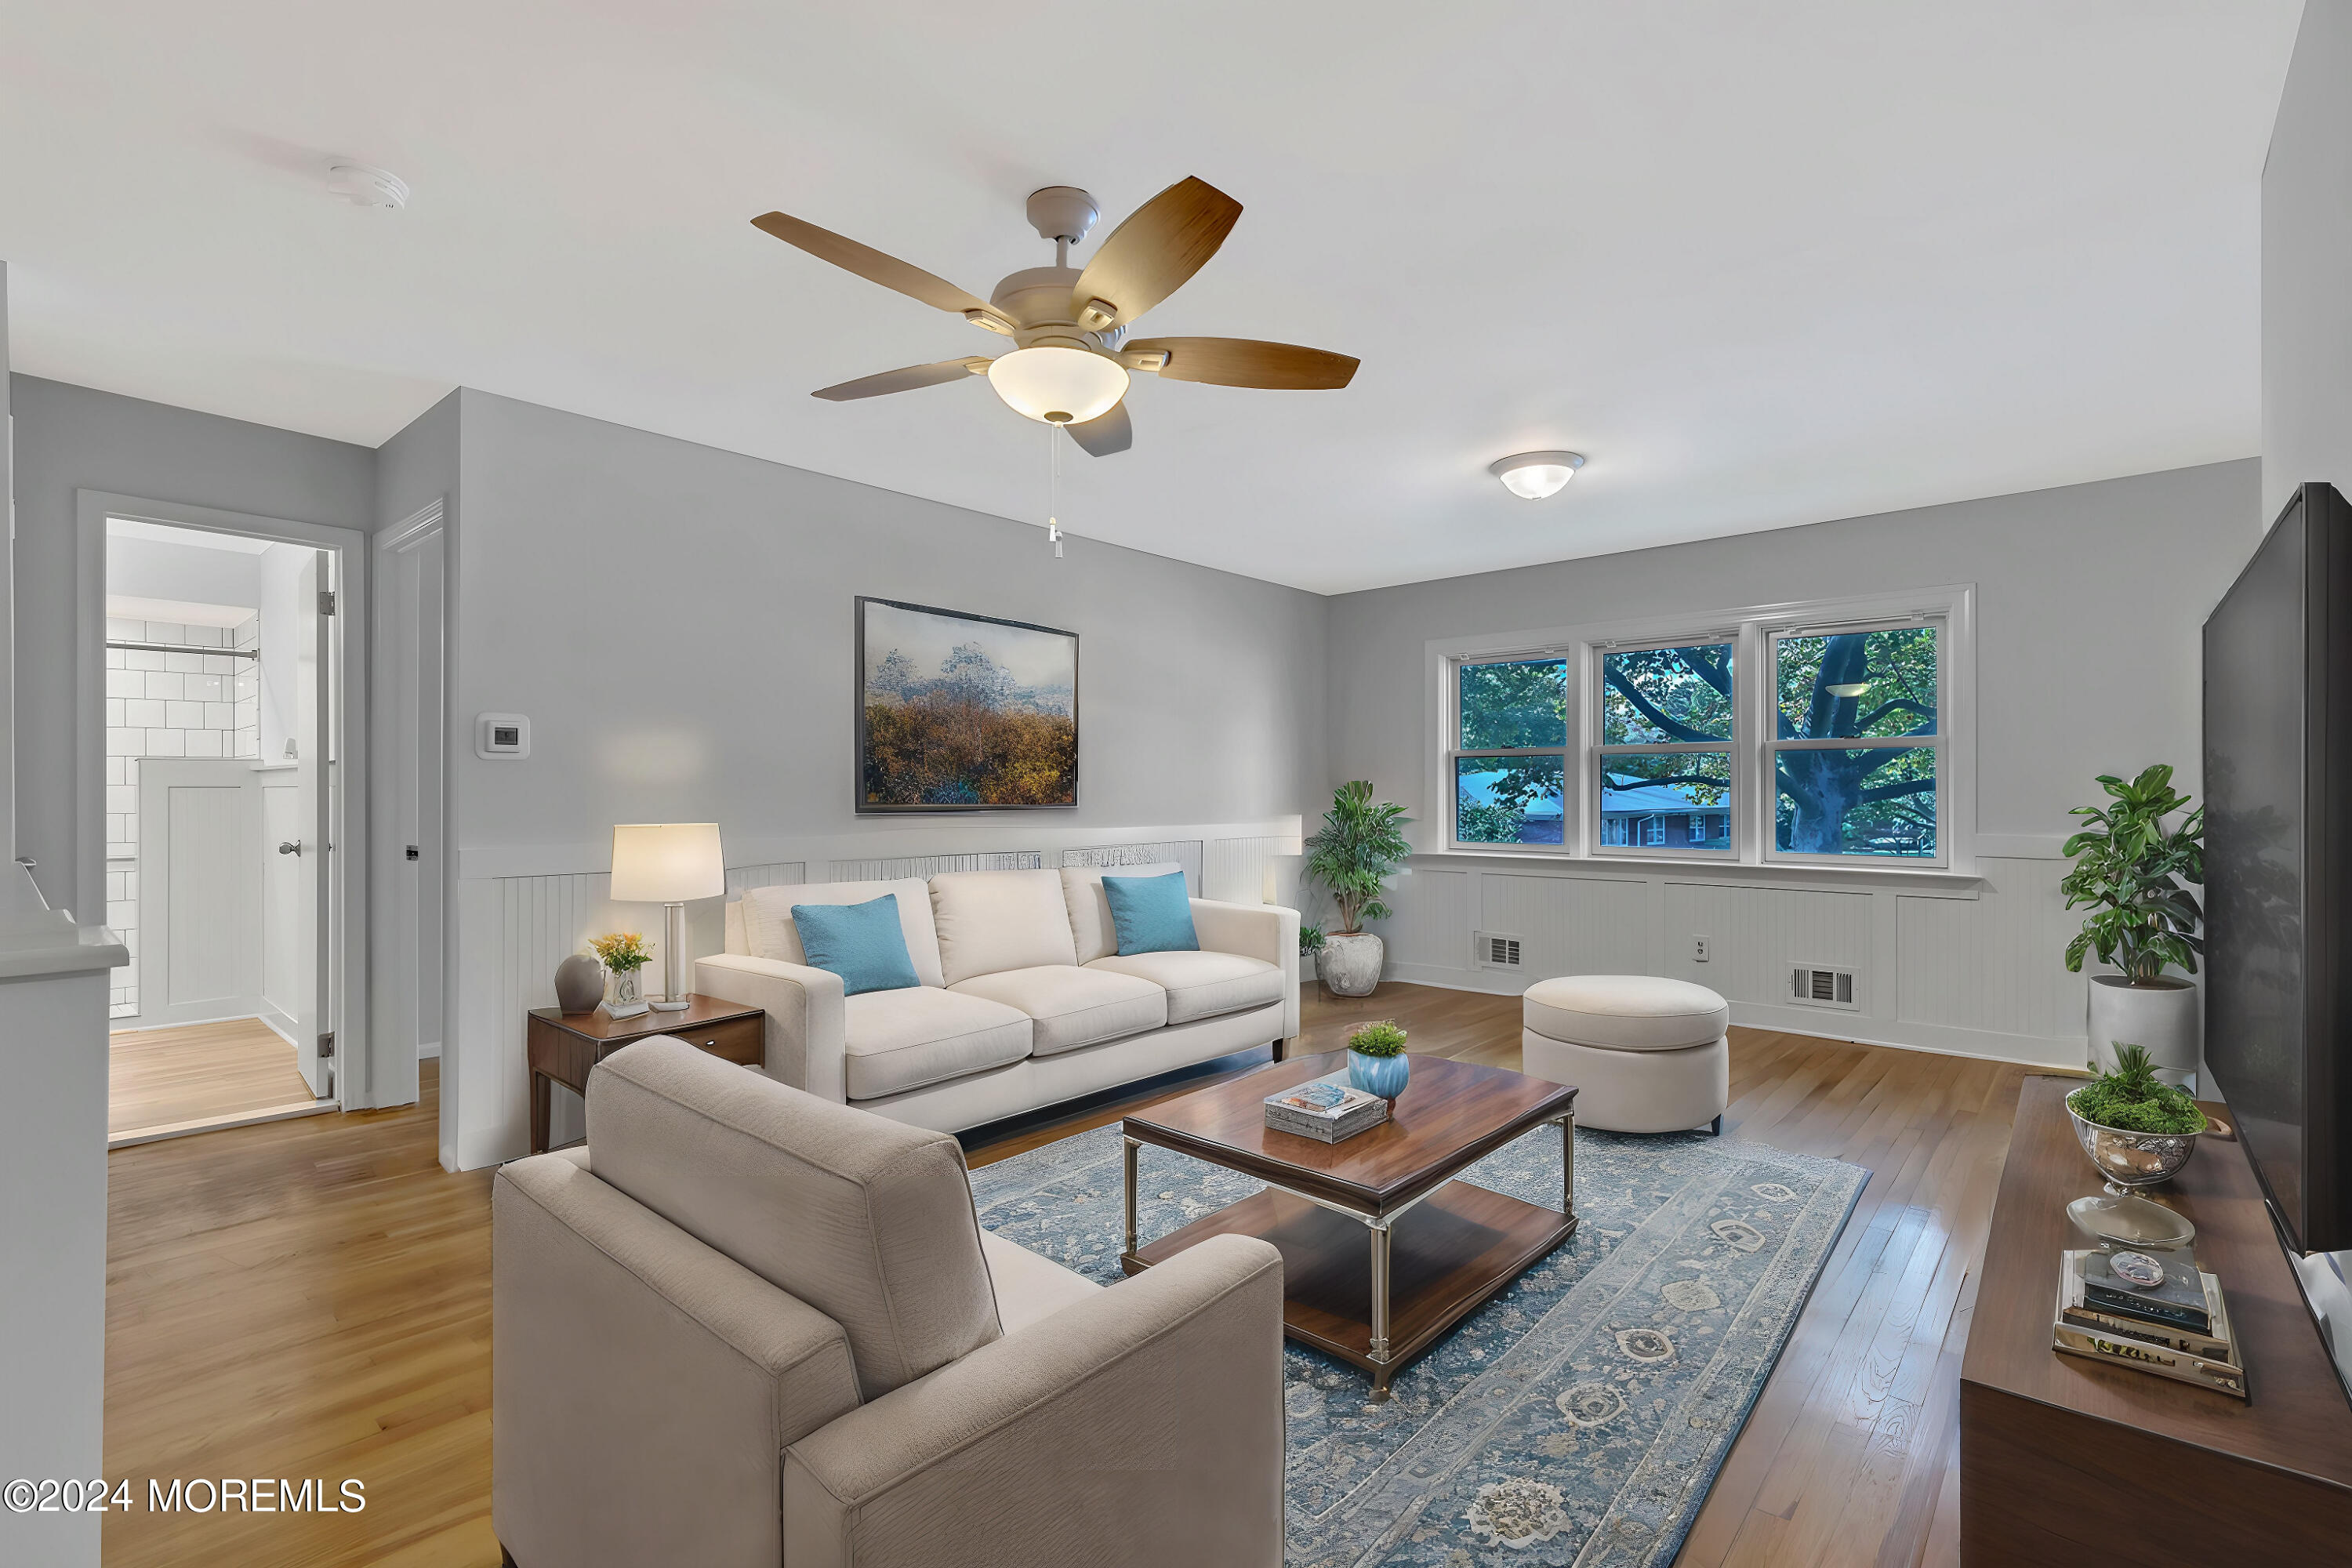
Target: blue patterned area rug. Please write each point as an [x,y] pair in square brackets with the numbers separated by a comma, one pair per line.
[1579,1416]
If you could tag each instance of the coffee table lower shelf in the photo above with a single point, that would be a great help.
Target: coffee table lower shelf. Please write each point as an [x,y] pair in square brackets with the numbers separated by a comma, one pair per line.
[1447,1255]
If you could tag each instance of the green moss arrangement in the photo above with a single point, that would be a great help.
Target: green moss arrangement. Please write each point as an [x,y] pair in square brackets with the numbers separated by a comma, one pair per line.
[1385,1038]
[2129,1097]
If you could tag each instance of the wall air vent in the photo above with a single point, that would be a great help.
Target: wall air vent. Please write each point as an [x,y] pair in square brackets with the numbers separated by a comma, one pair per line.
[1494,949]
[1821,985]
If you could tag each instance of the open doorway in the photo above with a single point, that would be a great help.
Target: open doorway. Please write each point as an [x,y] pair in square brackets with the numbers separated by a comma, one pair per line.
[222,800]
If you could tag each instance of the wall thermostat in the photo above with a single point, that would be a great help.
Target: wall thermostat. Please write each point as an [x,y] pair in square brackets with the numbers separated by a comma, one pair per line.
[501,735]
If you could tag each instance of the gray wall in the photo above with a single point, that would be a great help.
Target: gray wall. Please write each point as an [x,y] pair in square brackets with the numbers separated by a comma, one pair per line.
[72,437]
[2308,265]
[678,623]
[2089,602]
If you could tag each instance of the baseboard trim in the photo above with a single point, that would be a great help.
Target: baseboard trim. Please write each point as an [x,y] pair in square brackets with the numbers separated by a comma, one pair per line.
[1860,1028]
[429,1051]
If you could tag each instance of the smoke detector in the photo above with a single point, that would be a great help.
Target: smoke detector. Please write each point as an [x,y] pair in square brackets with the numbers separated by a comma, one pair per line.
[365,187]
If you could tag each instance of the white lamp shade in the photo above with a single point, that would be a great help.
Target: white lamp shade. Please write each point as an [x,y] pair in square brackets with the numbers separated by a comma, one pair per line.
[667,862]
[1057,385]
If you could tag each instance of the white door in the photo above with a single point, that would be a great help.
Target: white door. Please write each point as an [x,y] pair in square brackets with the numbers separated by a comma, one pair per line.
[314,765]
[199,818]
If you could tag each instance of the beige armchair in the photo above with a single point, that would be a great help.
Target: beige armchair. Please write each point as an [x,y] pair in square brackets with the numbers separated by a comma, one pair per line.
[747,1326]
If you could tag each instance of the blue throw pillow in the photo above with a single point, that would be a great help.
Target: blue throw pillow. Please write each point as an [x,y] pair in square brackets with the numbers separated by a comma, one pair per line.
[863,944]
[1152,914]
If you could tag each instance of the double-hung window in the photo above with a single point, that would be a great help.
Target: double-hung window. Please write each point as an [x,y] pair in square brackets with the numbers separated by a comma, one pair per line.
[1809,733]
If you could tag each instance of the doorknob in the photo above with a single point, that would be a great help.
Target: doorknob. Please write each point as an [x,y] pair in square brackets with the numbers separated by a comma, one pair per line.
[291,846]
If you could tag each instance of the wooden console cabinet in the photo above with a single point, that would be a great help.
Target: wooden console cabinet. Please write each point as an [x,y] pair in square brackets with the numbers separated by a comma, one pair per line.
[2065,1462]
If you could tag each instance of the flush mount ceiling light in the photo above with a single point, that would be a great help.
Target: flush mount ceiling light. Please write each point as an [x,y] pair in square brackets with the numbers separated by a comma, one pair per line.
[1531,475]
[365,187]
[1057,385]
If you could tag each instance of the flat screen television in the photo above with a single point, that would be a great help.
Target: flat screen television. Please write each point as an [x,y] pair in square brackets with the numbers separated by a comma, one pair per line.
[2278,865]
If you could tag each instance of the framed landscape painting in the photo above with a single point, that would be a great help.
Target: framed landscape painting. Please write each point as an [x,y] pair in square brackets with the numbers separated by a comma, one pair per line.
[962,712]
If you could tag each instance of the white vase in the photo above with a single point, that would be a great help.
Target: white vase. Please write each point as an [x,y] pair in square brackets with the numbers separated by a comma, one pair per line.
[1350,965]
[2161,1019]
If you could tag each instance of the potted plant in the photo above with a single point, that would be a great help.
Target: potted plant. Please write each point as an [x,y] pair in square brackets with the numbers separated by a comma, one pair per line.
[2131,867]
[1376,1060]
[1360,847]
[2137,1130]
[1310,941]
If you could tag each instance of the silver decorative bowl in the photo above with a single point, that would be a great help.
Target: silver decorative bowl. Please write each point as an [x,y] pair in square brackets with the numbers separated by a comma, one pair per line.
[2129,1160]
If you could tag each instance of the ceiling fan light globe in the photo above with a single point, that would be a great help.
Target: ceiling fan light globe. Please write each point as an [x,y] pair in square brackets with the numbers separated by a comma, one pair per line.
[1532,476]
[1057,385]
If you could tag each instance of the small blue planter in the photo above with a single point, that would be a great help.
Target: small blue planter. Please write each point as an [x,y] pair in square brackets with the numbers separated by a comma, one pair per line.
[1383,1076]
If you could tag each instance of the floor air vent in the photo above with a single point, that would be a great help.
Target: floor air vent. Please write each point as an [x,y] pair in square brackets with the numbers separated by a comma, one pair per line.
[1817,985]
[1497,951]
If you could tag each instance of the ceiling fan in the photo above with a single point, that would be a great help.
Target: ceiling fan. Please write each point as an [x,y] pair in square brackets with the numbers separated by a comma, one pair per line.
[1072,366]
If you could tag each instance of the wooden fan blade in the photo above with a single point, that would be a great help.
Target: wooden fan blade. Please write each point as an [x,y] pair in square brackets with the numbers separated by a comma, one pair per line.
[1105,433]
[869,263]
[1148,258]
[905,380]
[1246,362]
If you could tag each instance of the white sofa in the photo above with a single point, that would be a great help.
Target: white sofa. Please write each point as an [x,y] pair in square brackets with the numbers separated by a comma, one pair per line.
[1024,1002]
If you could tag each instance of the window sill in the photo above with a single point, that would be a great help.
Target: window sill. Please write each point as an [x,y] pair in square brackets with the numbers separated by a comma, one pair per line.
[1677,869]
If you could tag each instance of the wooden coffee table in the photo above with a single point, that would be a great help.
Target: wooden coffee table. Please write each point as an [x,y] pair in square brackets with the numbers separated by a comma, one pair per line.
[1382,1251]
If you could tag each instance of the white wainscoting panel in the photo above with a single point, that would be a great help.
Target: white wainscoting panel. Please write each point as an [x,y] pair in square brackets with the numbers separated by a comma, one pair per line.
[1430,928]
[741,879]
[1185,852]
[1756,935]
[1567,925]
[929,865]
[1243,871]
[1997,964]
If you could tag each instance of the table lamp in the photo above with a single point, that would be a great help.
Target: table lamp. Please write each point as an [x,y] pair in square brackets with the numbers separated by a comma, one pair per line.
[668,863]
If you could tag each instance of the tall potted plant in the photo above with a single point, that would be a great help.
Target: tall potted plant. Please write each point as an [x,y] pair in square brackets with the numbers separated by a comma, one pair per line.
[2131,869]
[1360,847]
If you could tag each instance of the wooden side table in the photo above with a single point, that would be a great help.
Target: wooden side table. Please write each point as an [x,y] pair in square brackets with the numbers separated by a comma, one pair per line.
[563,1047]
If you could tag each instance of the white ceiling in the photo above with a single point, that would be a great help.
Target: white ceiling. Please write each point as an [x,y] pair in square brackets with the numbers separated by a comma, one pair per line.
[1765,264]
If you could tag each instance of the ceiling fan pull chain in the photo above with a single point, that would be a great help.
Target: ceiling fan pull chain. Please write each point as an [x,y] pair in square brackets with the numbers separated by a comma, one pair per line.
[1054,488]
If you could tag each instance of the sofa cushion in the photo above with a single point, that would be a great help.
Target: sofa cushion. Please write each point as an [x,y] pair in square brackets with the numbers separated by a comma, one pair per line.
[1626,1012]
[1090,923]
[1073,1007]
[1201,984]
[1153,914]
[864,943]
[992,920]
[768,931]
[867,1220]
[1029,1286]
[896,1040]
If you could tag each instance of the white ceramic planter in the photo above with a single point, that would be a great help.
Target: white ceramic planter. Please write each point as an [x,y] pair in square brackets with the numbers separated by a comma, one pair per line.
[2161,1019]
[1350,965]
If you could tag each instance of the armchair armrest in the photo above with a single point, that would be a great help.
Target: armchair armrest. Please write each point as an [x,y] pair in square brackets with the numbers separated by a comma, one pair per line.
[1267,931]
[1142,1425]
[805,1017]
[644,1386]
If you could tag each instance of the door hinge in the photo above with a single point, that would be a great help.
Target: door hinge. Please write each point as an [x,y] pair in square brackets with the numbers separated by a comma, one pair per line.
[326,602]
[327,1047]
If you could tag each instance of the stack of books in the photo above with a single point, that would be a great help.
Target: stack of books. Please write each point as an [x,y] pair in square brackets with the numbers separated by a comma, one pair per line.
[2153,1311]
[1325,1109]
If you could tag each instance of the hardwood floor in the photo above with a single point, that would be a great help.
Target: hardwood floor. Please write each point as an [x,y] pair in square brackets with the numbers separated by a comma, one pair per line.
[312,1298]
[166,1077]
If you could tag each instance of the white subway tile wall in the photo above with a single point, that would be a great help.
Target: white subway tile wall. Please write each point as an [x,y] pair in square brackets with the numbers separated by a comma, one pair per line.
[175,704]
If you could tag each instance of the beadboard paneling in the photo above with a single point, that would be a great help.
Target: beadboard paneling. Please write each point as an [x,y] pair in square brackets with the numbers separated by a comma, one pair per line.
[1755,935]
[1431,927]
[741,879]
[1568,925]
[1997,964]
[1188,853]
[929,865]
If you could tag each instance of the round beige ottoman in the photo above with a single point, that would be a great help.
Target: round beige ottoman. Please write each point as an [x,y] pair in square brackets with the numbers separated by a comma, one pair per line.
[1646,1054]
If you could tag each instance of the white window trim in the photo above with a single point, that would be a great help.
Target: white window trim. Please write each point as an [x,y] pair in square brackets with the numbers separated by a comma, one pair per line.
[1581,647]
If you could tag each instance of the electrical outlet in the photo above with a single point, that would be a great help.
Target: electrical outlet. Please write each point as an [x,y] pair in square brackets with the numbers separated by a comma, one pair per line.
[1698,949]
